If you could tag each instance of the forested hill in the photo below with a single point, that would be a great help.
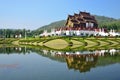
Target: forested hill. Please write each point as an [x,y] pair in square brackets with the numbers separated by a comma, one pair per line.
[102,21]
[53,25]
[109,23]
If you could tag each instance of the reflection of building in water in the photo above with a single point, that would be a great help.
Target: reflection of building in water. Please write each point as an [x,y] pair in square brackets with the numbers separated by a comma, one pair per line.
[82,63]
[78,60]
[81,60]
[45,52]
[96,52]
[105,52]
[110,52]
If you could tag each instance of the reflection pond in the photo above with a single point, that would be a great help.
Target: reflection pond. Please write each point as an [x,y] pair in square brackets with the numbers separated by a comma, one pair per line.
[29,63]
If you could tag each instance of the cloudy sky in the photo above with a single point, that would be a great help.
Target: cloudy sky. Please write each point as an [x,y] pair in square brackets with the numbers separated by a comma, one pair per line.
[32,14]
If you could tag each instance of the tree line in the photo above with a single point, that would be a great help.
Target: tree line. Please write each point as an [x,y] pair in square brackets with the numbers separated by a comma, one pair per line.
[111,25]
[12,33]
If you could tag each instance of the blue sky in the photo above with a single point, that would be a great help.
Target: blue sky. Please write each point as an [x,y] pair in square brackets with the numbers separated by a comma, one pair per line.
[32,14]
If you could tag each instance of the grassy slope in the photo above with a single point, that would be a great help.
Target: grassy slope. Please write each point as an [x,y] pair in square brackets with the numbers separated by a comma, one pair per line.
[56,44]
[63,42]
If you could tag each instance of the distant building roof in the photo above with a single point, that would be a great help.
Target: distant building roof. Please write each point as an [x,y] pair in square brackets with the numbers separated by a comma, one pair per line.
[81,18]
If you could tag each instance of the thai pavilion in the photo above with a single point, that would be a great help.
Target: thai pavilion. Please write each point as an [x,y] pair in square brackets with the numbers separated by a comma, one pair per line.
[82,24]
[83,20]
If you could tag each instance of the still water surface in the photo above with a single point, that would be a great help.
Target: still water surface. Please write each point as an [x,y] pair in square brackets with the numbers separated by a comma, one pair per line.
[22,63]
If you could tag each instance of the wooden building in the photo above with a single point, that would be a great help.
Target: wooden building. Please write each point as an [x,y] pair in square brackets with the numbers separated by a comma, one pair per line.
[82,20]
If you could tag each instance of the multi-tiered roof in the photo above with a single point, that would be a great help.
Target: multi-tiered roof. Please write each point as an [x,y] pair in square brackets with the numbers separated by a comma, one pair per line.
[81,20]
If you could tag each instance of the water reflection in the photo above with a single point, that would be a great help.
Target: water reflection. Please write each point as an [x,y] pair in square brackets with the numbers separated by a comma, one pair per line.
[82,60]
[85,60]
[10,50]
[83,63]
[6,66]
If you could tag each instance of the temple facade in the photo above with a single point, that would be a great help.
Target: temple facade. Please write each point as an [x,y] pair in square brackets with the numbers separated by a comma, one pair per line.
[83,20]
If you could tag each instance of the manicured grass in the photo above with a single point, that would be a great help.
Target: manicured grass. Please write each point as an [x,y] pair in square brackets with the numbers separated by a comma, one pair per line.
[113,42]
[7,40]
[77,42]
[90,43]
[57,44]
[102,43]
[62,42]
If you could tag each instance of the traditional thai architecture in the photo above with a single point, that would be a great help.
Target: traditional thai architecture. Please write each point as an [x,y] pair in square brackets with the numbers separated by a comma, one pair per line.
[82,24]
[83,20]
